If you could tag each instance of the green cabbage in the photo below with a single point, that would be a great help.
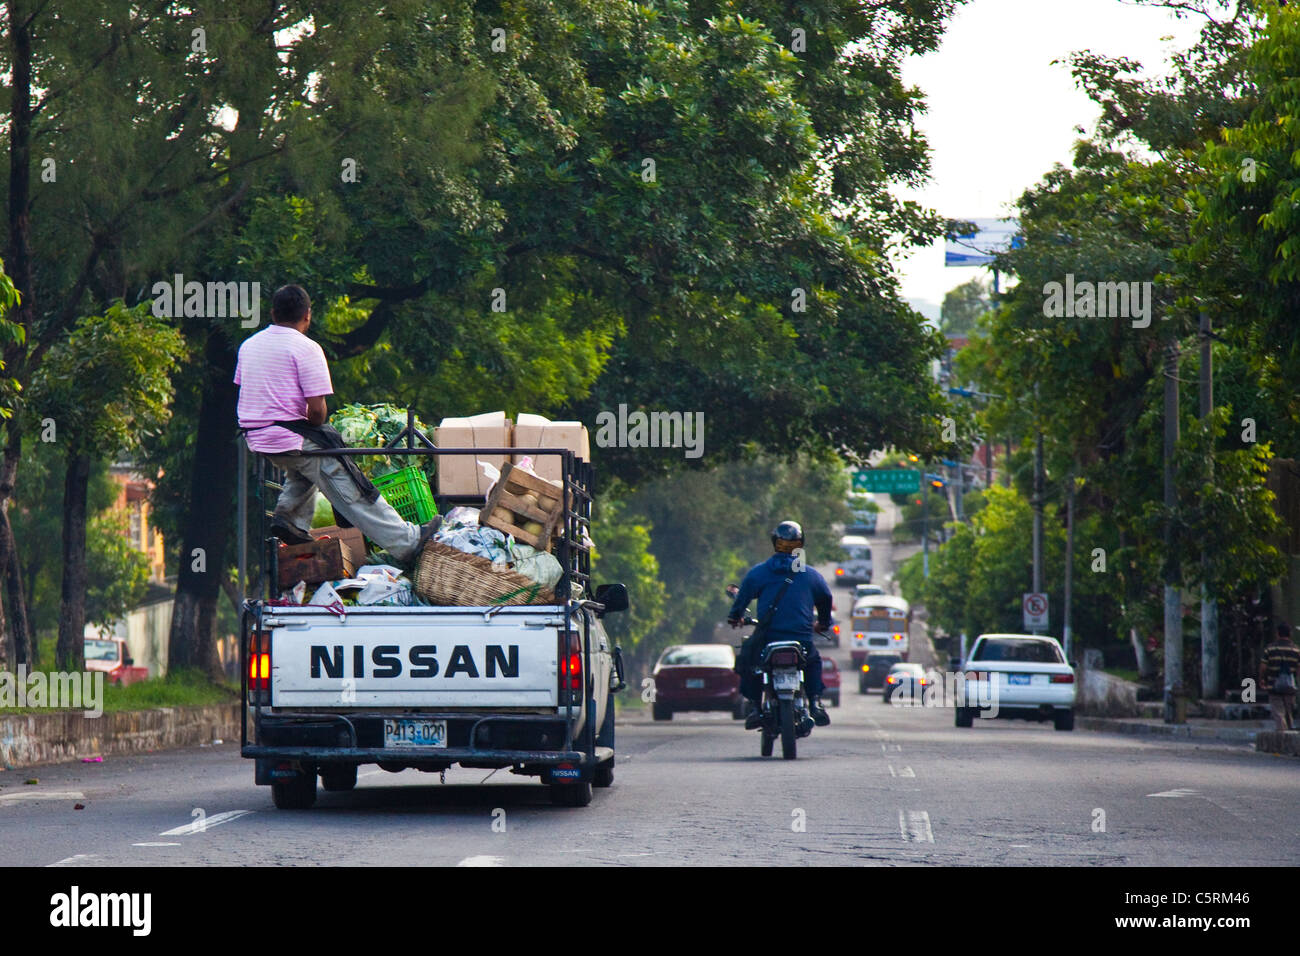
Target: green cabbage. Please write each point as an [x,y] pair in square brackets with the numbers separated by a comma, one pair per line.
[372,426]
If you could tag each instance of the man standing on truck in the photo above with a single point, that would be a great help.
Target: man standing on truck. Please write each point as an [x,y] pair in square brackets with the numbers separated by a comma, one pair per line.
[283,380]
[792,618]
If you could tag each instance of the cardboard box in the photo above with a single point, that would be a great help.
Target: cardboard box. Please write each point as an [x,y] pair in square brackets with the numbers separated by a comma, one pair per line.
[461,474]
[335,554]
[535,431]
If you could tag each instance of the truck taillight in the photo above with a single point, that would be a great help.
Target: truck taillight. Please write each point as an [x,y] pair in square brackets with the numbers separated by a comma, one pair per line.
[259,661]
[571,663]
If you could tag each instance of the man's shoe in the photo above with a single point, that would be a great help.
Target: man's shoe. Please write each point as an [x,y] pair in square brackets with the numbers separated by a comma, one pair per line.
[289,534]
[427,531]
[819,715]
[754,720]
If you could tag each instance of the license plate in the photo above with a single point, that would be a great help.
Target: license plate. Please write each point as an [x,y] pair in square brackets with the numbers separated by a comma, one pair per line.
[1018,680]
[415,733]
[695,683]
[785,680]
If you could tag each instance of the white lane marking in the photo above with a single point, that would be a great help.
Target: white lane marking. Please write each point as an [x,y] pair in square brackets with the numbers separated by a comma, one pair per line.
[915,826]
[481,861]
[1180,792]
[907,772]
[370,773]
[637,854]
[155,844]
[207,823]
[1020,846]
[79,859]
[41,795]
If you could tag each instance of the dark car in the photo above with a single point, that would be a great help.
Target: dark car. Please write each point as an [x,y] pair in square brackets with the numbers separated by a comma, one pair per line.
[875,671]
[906,683]
[831,678]
[697,677]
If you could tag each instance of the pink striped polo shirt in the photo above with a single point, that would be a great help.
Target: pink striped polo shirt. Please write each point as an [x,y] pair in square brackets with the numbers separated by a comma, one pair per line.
[278,369]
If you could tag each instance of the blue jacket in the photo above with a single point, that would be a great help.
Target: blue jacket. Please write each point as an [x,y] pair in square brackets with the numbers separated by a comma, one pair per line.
[794,616]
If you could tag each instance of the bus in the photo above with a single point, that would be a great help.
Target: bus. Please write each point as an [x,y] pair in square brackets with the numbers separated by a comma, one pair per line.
[881,624]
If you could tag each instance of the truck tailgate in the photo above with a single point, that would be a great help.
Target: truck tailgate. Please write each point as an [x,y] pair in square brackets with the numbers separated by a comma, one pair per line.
[414,658]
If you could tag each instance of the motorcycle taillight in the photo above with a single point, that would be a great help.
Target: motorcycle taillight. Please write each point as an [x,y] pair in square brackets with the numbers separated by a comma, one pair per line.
[785,659]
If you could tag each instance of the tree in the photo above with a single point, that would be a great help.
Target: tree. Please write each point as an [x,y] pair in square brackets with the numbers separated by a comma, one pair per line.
[962,305]
[105,388]
[116,574]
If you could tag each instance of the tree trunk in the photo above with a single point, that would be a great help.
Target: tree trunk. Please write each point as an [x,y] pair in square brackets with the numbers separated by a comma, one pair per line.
[206,535]
[69,654]
[24,643]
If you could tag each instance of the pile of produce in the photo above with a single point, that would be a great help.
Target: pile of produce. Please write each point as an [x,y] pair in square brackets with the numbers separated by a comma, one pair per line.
[372,426]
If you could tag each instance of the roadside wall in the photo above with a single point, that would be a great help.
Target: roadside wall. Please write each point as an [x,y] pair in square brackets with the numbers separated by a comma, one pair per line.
[30,739]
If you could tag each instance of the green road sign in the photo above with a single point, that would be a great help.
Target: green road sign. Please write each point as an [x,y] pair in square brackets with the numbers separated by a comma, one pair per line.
[891,480]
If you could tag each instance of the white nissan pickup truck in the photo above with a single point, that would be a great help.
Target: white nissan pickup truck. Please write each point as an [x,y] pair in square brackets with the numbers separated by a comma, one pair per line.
[524,687]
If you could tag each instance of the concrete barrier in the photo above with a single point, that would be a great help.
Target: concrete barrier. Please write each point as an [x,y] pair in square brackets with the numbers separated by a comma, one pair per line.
[1104,695]
[1272,742]
[30,739]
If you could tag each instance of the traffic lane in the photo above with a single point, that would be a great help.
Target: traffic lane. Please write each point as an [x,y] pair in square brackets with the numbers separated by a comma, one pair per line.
[1015,792]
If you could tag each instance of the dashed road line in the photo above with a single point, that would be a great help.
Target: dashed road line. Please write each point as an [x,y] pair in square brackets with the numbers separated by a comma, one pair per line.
[915,826]
[206,823]
[1180,792]
[482,861]
[79,859]
[25,795]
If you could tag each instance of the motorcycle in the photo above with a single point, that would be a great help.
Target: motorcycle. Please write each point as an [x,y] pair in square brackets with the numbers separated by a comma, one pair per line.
[783,704]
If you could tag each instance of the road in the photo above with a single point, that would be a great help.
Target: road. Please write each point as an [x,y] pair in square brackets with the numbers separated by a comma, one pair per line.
[883,785]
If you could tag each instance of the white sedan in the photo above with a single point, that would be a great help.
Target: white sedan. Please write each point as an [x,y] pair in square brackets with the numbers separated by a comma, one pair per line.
[1018,675]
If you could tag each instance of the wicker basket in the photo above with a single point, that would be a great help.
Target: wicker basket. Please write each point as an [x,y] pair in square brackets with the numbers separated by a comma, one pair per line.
[447,576]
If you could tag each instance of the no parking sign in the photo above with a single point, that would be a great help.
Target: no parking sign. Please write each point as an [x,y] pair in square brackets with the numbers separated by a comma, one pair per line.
[1034,604]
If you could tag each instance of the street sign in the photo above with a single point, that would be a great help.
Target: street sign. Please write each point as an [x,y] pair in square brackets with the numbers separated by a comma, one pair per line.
[889,480]
[978,248]
[1035,608]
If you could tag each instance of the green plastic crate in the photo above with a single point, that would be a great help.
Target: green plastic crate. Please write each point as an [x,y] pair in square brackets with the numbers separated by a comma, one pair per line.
[409,493]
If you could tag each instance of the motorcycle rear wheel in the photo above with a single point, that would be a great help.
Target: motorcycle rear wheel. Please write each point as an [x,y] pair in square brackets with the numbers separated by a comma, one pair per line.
[787,730]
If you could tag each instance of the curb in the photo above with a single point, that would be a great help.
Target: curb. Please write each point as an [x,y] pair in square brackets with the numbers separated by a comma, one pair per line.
[1235,735]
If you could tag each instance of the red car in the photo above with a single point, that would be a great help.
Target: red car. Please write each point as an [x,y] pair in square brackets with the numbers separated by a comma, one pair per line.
[831,678]
[697,677]
[109,654]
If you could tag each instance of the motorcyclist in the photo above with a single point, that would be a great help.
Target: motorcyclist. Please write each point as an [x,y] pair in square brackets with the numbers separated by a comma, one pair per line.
[793,618]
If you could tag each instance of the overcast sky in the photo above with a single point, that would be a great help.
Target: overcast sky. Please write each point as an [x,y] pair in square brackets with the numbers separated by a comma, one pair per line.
[1000,114]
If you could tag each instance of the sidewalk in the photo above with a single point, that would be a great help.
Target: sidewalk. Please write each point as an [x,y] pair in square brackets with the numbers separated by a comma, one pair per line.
[1196,728]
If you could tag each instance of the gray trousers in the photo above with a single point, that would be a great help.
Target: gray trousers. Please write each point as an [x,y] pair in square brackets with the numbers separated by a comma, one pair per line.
[379,522]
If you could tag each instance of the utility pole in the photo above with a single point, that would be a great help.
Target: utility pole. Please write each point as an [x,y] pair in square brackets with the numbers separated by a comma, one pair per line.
[1209,606]
[1069,562]
[1006,471]
[1173,605]
[1038,515]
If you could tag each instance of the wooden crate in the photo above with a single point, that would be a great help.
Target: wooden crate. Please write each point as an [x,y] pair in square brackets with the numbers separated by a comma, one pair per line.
[508,494]
[335,554]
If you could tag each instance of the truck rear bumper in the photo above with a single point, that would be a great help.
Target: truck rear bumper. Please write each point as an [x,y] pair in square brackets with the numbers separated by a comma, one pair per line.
[531,742]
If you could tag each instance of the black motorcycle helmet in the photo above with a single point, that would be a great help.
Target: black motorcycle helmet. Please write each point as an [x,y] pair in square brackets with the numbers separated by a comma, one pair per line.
[787,536]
